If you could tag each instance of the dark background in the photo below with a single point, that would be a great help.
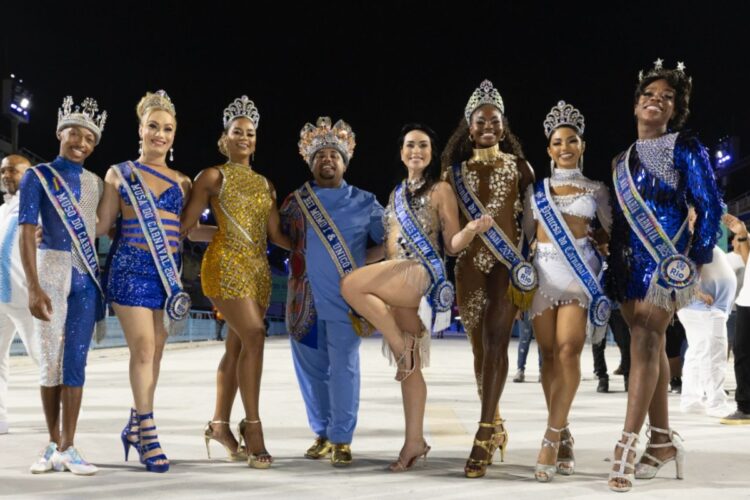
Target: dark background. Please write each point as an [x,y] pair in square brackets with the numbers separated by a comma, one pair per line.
[376,65]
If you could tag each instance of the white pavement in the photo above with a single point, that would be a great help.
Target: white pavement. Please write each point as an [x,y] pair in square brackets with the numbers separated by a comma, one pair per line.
[717,465]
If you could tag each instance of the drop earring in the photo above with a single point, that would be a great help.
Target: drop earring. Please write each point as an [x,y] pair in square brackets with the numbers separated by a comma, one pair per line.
[171,154]
[580,163]
[140,147]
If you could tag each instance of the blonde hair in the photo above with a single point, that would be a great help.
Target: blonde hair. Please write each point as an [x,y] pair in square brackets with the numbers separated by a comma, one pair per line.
[153,101]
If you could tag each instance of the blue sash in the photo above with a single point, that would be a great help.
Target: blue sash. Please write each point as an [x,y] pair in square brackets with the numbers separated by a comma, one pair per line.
[329,235]
[435,307]
[675,271]
[67,208]
[523,277]
[564,241]
[178,301]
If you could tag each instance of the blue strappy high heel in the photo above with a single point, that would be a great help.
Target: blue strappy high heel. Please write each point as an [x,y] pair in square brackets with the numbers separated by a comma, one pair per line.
[150,441]
[130,430]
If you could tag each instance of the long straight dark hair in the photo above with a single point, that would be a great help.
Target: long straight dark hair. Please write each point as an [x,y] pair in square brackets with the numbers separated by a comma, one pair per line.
[431,174]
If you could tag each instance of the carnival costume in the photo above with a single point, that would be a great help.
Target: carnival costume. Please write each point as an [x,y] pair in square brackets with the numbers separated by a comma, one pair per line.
[65,195]
[398,246]
[670,173]
[133,279]
[491,178]
[325,347]
[559,283]
[235,265]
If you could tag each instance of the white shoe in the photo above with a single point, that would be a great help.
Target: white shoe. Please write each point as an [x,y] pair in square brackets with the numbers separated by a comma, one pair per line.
[71,460]
[720,411]
[695,407]
[4,425]
[45,461]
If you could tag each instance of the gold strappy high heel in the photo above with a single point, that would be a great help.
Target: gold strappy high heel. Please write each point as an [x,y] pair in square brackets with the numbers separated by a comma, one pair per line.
[262,460]
[499,439]
[475,467]
[238,455]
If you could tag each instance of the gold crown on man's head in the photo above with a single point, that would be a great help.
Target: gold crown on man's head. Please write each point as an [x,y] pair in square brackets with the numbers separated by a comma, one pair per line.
[486,93]
[83,115]
[313,138]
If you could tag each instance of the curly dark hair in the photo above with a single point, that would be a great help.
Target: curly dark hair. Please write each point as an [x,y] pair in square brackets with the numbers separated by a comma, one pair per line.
[682,86]
[459,146]
[431,173]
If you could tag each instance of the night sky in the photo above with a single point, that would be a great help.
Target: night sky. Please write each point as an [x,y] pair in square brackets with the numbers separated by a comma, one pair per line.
[377,65]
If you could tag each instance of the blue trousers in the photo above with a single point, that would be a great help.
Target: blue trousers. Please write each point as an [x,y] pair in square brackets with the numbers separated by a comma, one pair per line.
[326,362]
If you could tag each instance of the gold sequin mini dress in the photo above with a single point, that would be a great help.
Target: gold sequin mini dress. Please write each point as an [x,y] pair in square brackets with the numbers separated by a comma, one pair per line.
[235,267]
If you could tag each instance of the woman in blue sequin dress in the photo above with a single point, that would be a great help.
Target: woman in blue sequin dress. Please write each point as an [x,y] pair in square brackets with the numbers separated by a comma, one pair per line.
[671,172]
[133,284]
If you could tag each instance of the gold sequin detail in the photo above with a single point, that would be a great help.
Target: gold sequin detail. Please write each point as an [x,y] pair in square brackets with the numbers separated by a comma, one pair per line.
[473,310]
[232,267]
[501,181]
[484,260]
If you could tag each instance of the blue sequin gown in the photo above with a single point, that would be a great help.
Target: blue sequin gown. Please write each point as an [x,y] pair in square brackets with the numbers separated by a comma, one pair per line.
[671,173]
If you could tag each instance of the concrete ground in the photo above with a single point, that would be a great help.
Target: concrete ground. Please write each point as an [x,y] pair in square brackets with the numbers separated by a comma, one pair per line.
[717,463]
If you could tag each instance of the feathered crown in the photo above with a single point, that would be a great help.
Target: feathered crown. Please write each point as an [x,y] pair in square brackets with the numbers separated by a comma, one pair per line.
[563,115]
[241,107]
[313,138]
[155,100]
[484,94]
[82,116]
[659,70]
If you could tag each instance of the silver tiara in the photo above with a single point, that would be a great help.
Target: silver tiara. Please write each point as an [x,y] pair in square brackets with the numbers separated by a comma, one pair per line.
[485,94]
[83,115]
[659,68]
[241,107]
[563,115]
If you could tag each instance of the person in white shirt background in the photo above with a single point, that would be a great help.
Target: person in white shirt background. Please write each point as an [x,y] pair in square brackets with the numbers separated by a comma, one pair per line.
[741,345]
[14,301]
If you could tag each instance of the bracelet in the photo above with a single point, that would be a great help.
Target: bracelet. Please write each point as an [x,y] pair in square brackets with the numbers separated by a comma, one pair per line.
[743,239]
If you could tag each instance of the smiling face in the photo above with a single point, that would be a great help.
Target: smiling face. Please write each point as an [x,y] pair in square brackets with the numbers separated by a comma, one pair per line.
[157,132]
[328,167]
[12,169]
[416,152]
[486,129]
[240,139]
[76,143]
[656,105]
[565,147]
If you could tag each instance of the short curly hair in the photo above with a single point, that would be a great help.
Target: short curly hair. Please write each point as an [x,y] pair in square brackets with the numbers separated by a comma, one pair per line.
[682,86]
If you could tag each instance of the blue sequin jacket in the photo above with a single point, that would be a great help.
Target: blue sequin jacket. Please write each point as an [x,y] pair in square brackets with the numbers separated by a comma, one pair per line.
[668,192]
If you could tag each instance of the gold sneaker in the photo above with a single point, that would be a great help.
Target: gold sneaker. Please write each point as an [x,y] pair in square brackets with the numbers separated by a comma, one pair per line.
[341,455]
[321,448]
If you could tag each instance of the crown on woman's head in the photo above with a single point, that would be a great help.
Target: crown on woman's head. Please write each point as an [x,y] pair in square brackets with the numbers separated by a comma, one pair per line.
[659,70]
[486,93]
[155,100]
[563,115]
[83,115]
[242,107]
[322,135]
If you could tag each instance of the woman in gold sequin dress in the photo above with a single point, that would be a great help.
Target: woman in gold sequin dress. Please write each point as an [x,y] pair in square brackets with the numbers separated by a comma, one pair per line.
[236,276]
[495,171]
[388,293]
